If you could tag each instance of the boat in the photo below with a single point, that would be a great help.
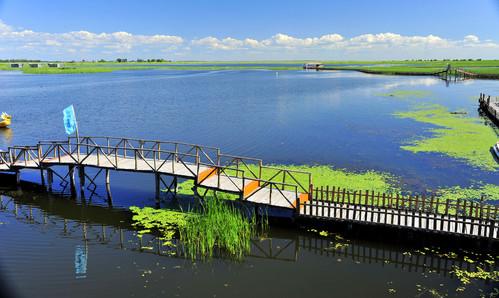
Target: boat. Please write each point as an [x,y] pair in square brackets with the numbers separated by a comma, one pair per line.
[5,120]
[496,149]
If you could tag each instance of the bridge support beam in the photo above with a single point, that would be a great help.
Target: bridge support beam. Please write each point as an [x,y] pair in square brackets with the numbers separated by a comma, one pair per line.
[18,178]
[42,177]
[81,176]
[50,178]
[157,181]
[71,174]
[108,189]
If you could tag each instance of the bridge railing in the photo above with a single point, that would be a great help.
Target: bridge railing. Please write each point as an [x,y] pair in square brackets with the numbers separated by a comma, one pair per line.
[234,178]
[301,179]
[4,158]
[205,154]
[418,203]
[112,156]
[276,191]
[251,166]
[24,156]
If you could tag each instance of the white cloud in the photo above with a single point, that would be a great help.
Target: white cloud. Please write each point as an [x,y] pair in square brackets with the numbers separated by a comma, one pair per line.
[21,43]
[471,38]
[4,27]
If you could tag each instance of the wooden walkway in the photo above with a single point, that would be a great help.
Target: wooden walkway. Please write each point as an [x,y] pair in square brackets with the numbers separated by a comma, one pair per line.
[490,106]
[252,182]
[207,166]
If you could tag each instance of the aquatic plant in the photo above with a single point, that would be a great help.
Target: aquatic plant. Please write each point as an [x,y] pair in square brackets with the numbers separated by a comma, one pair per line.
[487,191]
[466,277]
[455,135]
[219,225]
[167,222]
[215,225]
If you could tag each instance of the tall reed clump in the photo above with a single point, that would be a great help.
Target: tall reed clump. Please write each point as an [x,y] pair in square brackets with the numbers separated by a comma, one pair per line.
[219,226]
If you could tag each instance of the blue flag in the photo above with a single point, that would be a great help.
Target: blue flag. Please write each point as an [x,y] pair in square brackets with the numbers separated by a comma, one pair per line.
[69,119]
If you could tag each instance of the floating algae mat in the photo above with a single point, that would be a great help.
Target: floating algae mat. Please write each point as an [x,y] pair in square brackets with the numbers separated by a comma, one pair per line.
[487,191]
[323,176]
[455,135]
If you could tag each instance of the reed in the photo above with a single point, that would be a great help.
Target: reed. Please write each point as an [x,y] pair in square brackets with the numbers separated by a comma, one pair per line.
[219,226]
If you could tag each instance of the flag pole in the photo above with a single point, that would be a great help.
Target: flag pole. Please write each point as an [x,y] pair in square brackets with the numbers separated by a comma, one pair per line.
[77,137]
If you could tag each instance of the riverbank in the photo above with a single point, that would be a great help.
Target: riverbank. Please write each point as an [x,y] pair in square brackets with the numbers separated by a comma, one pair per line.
[483,69]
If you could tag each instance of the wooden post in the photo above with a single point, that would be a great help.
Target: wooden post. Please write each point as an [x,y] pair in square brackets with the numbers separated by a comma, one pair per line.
[18,178]
[157,186]
[81,176]
[71,174]
[50,178]
[108,188]
[42,177]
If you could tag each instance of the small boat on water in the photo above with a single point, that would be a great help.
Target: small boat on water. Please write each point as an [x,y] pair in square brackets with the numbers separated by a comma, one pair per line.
[496,149]
[5,120]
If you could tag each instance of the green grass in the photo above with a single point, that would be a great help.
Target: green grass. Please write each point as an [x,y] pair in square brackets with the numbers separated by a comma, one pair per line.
[96,67]
[484,67]
[454,135]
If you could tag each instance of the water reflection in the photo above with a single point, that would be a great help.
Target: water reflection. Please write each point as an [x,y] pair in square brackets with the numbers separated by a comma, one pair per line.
[74,230]
[81,256]
[5,136]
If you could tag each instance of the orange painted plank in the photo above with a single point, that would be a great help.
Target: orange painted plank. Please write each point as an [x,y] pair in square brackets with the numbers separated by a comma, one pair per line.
[250,187]
[303,198]
[206,174]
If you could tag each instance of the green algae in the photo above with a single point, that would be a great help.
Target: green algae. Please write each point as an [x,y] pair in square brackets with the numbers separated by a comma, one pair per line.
[167,222]
[407,93]
[485,191]
[322,176]
[454,135]
[342,178]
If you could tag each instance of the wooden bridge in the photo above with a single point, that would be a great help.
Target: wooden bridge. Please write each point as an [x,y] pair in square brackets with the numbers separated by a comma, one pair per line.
[252,182]
[490,106]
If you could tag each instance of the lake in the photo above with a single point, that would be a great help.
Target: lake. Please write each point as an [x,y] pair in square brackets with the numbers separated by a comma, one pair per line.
[61,246]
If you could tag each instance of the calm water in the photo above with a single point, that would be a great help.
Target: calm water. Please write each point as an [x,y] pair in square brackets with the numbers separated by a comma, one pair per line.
[289,117]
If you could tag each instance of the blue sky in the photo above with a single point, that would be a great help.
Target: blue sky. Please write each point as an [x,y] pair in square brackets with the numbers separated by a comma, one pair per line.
[236,30]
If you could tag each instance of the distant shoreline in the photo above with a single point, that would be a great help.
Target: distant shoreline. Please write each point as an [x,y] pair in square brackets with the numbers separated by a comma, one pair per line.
[482,69]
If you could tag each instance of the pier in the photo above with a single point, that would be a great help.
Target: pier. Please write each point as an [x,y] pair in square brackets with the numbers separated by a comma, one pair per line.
[251,181]
[490,106]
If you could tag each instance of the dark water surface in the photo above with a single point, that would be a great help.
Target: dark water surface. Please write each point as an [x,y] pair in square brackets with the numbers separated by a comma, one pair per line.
[289,117]
[58,247]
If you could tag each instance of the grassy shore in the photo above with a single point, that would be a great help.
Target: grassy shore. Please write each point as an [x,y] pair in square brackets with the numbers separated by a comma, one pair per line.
[483,68]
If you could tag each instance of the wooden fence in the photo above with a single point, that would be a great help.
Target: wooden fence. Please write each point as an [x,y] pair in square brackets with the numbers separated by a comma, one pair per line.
[469,217]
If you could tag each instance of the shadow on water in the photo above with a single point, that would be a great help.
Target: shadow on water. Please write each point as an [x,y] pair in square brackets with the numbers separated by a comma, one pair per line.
[101,232]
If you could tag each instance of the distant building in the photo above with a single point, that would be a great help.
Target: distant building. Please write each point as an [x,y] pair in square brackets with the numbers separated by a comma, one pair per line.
[313,65]
[16,65]
[56,65]
[35,65]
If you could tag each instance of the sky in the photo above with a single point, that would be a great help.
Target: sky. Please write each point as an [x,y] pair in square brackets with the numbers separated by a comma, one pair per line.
[249,30]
